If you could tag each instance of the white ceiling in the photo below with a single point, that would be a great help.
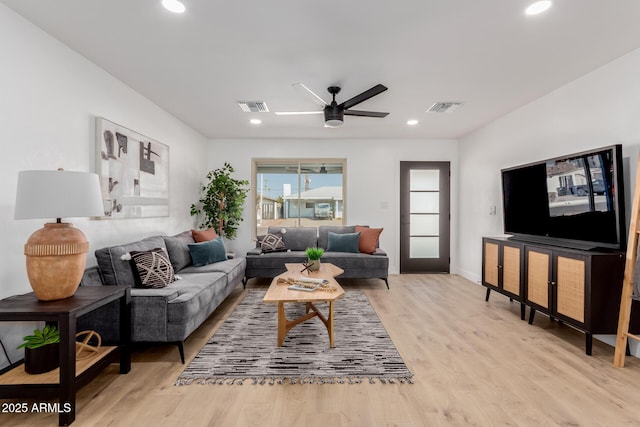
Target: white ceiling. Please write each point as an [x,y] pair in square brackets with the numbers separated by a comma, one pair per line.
[485,53]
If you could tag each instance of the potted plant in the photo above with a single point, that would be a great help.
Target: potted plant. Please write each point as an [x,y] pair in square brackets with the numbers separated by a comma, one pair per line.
[314,255]
[222,202]
[41,350]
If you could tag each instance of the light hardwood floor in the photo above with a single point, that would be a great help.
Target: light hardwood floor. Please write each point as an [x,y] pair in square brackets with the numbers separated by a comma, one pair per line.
[475,363]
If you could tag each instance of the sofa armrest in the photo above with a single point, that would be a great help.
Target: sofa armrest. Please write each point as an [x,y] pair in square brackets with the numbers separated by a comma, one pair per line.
[149,314]
[254,251]
[164,293]
[379,252]
[91,277]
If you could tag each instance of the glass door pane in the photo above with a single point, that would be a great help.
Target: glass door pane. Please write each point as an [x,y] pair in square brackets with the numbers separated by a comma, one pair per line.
[423,202]
[424,180]
[424,218]
[424,247]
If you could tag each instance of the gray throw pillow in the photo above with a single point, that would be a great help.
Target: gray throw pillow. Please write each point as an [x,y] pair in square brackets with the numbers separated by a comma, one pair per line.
[178,249]
[346,242]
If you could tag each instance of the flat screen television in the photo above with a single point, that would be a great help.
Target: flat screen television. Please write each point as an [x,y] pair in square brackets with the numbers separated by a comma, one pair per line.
[574,201]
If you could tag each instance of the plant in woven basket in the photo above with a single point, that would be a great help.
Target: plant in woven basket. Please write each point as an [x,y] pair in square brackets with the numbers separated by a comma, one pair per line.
[222,202]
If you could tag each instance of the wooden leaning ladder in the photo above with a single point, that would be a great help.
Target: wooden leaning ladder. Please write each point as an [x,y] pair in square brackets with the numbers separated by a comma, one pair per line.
[627,283]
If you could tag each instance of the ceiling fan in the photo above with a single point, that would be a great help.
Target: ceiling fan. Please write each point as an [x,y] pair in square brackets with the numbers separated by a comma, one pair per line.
[323,169]
[333,112]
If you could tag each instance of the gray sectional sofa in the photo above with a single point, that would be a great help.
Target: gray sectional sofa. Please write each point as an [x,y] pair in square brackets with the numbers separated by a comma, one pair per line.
[298,239]
[168,314]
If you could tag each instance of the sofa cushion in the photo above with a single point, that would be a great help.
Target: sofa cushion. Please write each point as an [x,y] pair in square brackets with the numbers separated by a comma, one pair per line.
[204,235]
[195,293]
[178,249]
[323,233]
[234,268]
[345,242]
[153,268]
[276,259]
[297,238]
[368,239]
[116,271]
[207,252]
[271,242]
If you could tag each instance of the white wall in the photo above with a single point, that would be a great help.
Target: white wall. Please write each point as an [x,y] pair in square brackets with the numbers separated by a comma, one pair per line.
[373,179]
[601,108]
[49,97]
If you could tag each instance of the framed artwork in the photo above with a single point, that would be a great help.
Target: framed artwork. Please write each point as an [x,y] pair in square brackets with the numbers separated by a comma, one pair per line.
[133,171]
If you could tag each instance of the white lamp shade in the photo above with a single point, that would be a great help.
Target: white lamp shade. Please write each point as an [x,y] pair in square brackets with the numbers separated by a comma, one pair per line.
[58,194]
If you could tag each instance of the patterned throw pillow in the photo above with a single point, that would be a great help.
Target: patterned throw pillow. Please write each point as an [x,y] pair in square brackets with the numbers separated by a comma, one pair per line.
[271,242]
[153,268]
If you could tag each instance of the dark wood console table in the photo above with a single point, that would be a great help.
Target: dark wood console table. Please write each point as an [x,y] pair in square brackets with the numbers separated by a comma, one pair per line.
[64,381]
[576,287]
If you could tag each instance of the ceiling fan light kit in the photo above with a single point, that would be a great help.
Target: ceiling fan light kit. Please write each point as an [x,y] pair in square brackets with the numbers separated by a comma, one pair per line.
[333,114]
[333,123]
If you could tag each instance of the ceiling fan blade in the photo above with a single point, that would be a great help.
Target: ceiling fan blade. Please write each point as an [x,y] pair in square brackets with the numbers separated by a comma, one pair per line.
[377,89]
[316,98]
[297,113]
[365,113]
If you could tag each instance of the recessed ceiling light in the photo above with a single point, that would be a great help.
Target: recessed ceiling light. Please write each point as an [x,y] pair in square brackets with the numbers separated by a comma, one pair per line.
[255,121]
[412,122]
[538,7]
[173,6]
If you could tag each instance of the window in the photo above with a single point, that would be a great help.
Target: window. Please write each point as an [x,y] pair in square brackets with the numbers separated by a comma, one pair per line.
[298,192]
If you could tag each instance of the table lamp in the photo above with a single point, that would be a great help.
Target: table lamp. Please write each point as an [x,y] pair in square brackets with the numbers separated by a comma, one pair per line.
[57,253]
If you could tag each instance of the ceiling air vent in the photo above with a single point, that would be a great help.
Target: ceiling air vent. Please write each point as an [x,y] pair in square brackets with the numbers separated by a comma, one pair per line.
[253,106]
[444,107]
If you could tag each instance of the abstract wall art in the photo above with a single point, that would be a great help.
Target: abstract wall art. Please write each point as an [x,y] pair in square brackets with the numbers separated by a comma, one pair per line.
[133,171]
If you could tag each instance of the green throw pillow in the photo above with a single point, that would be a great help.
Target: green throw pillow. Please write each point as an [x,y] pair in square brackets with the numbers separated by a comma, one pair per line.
[345,242]
[207,252]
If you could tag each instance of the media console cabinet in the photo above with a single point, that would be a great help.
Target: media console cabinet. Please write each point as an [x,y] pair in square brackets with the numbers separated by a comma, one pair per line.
[579,288]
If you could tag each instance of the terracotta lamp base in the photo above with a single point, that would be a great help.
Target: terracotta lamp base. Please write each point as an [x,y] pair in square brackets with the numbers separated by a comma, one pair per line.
[56,257]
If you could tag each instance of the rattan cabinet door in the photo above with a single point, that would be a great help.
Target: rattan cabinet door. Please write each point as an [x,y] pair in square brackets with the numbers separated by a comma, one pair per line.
[570,287]
[538,277]
[491,263]
[511,269]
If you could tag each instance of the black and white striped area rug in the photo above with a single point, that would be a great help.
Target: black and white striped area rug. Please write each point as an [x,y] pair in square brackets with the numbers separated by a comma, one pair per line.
[244,349]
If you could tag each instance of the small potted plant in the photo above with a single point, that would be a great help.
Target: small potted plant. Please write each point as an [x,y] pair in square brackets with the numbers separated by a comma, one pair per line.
[314,255]
[41,350]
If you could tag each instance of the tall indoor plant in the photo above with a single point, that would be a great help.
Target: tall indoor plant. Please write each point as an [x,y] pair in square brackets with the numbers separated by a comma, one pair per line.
[222,201]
